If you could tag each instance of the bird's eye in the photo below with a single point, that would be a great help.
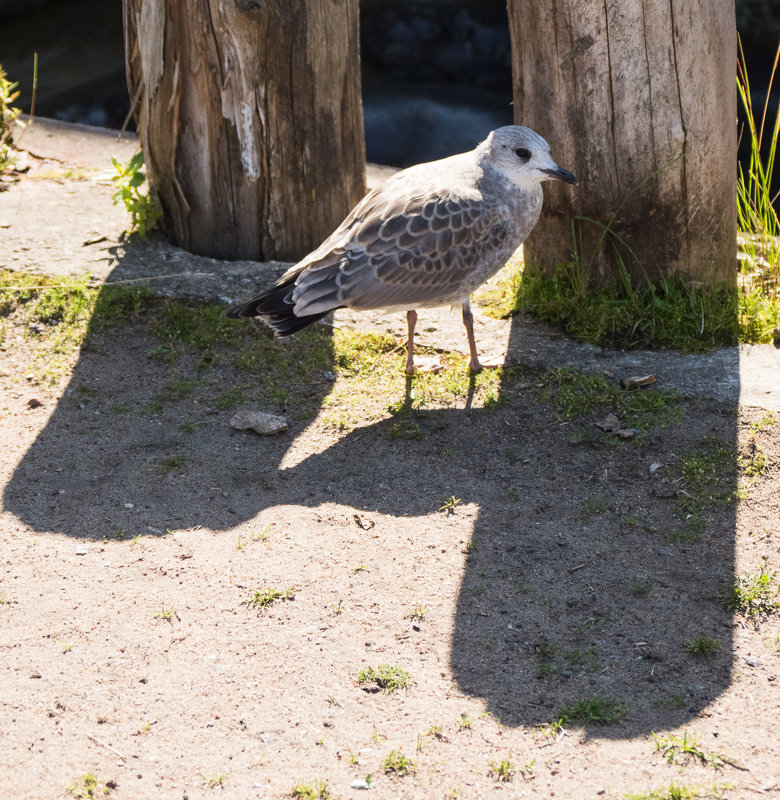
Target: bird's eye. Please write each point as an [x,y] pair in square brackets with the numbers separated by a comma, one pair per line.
[523,154]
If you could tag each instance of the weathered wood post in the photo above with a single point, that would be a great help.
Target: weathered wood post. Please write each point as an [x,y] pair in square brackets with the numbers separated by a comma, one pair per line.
[621,89]
[250,116]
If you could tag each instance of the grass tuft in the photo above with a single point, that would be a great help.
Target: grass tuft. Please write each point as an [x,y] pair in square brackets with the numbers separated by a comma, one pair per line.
[89,787]
[702,646]
[397,763]
[262,598]
[684,749]
[754,593]
[312,791]
[386,677]
[595,710]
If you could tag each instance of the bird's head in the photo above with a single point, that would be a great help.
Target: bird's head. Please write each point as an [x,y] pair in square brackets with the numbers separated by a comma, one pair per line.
[523,157]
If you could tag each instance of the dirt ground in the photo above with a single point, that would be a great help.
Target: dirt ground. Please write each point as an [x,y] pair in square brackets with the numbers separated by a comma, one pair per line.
[511,560]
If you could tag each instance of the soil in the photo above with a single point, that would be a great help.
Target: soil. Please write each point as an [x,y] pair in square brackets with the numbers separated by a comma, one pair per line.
[561,568]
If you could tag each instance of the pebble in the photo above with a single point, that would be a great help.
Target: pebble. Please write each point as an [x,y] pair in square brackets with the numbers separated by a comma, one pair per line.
[81,551]
[258,421]
[752,661]
[360,785]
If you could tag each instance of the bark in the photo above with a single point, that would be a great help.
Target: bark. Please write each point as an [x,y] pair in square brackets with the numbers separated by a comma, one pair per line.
[250,116]
[621,88]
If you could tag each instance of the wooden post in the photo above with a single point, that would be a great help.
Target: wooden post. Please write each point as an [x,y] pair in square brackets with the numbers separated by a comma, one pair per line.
[250,116]
[621,89]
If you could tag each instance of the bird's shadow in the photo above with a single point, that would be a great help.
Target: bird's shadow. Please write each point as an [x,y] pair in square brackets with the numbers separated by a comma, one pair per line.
[574,588]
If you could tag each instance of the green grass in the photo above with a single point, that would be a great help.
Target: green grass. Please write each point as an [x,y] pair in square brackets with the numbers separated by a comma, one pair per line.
[758,219]
[675,792]
[312,791]
[676,749]
[398,764]
[417,612]
[675,702]
[642,589]
[754,594]
[576,395]
[595,710]
[176,391]
[213,781]
[8,116]
[702,646]
[164,466]
[464,722]
[707,479]
[503,771]
[89,787]
[385,676]
[672,313]
[553,662]
[262,598]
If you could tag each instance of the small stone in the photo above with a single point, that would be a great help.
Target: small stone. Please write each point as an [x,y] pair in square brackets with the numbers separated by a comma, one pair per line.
[34,402]
[81,550]
[358,784]
[610,423]
[258,421]
[129,505]
[752,661]
[265,738]
[655,466]
[637,381]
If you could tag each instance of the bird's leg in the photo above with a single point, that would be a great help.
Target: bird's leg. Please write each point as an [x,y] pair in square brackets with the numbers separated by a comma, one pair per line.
[468,321]
[411,321]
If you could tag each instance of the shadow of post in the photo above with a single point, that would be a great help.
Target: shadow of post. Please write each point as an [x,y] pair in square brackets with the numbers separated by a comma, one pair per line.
[594,584]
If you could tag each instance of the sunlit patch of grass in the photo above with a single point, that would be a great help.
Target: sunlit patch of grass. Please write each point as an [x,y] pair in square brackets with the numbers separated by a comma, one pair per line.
[677,792]
[53,313]
[757,215]
[685,748]
[754,593]
[385,676]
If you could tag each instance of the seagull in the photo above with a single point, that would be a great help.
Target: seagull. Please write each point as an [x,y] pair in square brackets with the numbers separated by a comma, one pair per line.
[429,236]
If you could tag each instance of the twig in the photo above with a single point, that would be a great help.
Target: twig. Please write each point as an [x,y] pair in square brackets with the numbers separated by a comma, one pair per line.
[105,744]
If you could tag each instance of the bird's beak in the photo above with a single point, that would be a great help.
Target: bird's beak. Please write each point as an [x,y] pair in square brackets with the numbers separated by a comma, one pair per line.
[560,174]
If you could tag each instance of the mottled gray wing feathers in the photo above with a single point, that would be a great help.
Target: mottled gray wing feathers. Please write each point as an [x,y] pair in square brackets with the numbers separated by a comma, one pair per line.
[400,251]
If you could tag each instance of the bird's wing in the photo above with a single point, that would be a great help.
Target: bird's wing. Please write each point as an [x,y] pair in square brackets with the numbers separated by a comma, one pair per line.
[401,248]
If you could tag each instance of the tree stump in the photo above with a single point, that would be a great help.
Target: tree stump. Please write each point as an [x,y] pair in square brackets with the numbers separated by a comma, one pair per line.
[250,116]
[638,99]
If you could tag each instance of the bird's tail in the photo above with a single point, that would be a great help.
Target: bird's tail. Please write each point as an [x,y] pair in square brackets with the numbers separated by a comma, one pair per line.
[276,308]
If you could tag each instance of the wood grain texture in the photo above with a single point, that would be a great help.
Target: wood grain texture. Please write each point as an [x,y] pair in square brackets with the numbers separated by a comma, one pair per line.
[250,116]
[621,88]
